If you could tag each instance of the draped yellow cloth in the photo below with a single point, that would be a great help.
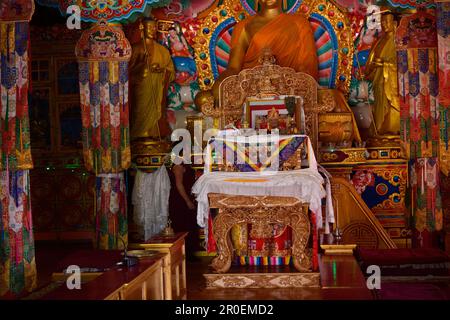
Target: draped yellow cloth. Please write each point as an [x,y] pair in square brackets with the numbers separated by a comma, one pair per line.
[290,39]
[383,74]
[148,89]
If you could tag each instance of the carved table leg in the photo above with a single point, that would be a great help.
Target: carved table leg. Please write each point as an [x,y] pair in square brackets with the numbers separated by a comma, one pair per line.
[222,225]
[261,212]
[301,230]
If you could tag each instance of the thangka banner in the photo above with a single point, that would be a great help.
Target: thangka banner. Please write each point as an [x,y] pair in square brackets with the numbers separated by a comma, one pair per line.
[425,194]
[419,120]
[103,53]
[15,152]
[17,260]
[443,36]
[111,212]
[418,85]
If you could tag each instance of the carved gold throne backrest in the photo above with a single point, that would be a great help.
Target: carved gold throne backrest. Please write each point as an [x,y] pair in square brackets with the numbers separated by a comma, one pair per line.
[269,79]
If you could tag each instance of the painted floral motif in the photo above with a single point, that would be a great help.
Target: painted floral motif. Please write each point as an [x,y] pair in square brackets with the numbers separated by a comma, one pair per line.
[109,10]
[361,179]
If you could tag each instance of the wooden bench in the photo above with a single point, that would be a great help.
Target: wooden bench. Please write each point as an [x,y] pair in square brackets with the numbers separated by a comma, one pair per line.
[174,264]
[143,281]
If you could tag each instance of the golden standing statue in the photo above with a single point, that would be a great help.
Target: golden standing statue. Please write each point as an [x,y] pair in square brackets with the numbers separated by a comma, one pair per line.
[382,71]
[151,70]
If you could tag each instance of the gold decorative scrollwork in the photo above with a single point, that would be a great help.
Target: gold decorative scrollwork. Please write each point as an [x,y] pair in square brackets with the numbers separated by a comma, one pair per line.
[352,156]
[229,9]
[260,211]
[261,81]
[326,101]
[342,28]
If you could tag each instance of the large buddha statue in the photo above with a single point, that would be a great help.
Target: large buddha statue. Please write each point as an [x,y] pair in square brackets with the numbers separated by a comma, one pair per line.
[289,37]
[381,69]
[291,41]
[151,70]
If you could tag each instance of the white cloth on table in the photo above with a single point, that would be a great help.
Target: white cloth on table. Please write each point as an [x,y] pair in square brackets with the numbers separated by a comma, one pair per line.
[303,184]
[329,215]
[150,199]
[306,185]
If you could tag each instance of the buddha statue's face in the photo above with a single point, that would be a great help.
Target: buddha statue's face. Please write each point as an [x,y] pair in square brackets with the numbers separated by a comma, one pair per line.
[270,4]
[150,29]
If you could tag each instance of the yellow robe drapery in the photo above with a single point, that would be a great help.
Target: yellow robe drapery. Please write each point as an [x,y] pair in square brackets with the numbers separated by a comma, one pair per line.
[385,87]
[148,89]
[290,39]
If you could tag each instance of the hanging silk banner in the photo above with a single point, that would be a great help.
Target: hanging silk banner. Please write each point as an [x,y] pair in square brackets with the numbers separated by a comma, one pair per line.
[15,152]
[416,41]
[17,254]
[17,259]
[418,84]
[443,38]
[111,213]
[103,53]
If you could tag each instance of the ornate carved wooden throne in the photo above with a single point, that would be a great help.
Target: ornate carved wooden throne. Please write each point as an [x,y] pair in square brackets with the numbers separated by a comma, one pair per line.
[269,80]
[262,82]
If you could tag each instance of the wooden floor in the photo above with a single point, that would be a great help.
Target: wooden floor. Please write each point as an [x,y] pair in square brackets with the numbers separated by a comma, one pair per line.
[341,278]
